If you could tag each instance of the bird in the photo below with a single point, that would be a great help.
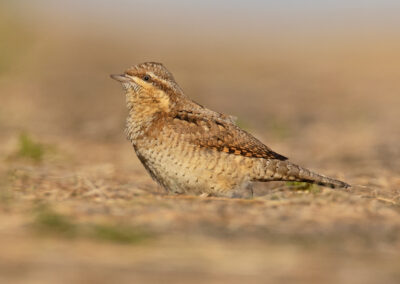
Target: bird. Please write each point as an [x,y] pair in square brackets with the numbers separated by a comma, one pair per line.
[189,149]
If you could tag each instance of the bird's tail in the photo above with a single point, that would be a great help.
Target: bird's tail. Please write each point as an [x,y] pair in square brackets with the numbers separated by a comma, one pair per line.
[284,170]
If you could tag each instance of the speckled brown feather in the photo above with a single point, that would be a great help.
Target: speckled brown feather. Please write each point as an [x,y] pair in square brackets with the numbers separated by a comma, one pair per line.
[221,135]
[188,148]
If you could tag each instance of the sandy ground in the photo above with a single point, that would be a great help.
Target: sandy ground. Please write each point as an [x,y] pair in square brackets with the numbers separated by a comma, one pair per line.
[88,213]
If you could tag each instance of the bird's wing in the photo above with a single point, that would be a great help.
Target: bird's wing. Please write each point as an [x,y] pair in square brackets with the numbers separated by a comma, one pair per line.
[217,131]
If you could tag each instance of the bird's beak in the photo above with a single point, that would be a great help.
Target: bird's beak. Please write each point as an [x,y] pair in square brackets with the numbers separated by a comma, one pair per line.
[120,78]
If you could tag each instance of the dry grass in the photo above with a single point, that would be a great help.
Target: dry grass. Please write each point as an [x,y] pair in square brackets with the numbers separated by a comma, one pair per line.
[95,216]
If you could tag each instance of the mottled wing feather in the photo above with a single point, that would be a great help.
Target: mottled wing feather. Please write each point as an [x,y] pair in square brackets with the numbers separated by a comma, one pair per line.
[219,133]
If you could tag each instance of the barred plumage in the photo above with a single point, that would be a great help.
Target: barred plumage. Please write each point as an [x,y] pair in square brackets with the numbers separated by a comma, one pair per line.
[188,148]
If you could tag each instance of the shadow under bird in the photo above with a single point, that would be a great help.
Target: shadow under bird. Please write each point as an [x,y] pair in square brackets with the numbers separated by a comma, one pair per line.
[190,149]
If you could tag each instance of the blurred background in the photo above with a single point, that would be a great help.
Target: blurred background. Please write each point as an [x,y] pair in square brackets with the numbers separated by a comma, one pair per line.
[284,68]
[317,81]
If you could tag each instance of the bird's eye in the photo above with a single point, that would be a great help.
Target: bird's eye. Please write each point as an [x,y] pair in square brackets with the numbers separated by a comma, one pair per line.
[146,77]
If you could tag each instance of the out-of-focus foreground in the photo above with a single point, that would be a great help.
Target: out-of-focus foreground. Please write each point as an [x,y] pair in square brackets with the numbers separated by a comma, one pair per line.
[77,206]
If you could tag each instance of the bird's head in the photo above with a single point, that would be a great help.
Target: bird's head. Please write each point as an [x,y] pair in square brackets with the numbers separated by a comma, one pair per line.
[149,87]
